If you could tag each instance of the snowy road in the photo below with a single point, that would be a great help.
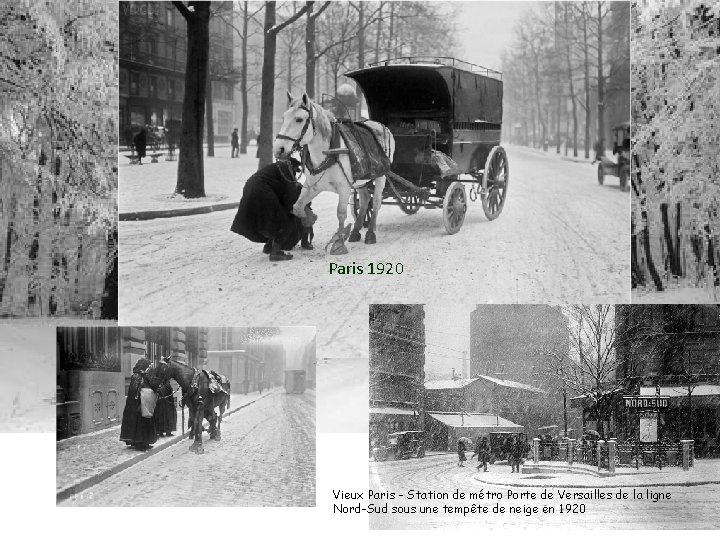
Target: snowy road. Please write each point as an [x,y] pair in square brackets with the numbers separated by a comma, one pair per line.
[266,458]
[560,239]
[690,507]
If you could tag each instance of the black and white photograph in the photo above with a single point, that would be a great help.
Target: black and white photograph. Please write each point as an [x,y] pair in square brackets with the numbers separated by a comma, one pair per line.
[27,393]
[613,406]
[342,395]
[365,149]
[676,144]
[58,161]
[186,416]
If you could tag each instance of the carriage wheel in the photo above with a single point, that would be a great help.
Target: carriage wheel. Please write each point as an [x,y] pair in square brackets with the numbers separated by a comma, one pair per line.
[411,204]
[601,174]
[454,207]
[623,178]
[356,208]
[495,182]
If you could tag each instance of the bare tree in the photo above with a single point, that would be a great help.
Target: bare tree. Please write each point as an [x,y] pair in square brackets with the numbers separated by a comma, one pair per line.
[267,101]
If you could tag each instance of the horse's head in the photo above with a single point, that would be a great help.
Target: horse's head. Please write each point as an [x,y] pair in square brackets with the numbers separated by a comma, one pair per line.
[298,127]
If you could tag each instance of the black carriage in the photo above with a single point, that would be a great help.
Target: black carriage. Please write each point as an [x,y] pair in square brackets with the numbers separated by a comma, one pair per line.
[620,167]
[446,117]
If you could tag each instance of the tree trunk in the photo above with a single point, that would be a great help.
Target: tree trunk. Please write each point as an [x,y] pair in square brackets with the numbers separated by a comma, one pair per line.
[209,119]
[672,247]
[243,84]
[191,175]
[588,112]
[378,33]
[310,52]
[571,84]
[267,96]
[600,82]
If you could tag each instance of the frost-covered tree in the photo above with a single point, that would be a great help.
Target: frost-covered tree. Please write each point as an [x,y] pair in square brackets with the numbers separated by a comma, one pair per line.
[58,154]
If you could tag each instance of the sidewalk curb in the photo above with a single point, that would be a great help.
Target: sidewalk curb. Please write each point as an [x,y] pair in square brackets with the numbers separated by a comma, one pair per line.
[145,215]
[604,486]
[68,492]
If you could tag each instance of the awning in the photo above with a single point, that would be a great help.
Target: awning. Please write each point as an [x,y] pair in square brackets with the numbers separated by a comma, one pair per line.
[476,420]
[682,391]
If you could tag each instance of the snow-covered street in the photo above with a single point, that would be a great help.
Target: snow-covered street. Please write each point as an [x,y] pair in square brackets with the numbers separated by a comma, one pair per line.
[561,238]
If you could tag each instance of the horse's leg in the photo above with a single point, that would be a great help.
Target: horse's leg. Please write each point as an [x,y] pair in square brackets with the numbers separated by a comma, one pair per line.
[364,196]
[339,247]
[197,446]
[377,203]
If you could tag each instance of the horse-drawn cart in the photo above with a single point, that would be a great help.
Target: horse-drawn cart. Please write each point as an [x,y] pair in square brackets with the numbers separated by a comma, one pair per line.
[445,116]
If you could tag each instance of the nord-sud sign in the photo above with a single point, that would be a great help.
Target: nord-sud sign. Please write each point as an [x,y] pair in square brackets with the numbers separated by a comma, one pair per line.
[646,402]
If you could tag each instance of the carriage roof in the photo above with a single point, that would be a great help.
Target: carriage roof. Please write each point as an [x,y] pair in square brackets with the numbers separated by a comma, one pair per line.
[431,86]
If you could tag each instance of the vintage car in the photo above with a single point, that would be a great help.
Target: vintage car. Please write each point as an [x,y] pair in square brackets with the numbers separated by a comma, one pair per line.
[401,445]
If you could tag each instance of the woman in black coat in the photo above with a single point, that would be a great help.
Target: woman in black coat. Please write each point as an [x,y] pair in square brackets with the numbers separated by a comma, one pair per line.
[135,430]
[265,211]
[165,413]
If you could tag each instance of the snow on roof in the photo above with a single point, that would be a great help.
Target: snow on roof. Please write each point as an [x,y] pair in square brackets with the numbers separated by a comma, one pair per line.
[391,410]
[512,384]
[448,384]
[475,420]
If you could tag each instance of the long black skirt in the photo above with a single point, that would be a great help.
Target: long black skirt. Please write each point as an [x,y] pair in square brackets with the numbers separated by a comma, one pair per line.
[136,430]
[165,415]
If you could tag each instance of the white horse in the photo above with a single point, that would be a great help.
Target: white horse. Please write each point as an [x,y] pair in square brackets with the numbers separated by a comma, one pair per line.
[308,128]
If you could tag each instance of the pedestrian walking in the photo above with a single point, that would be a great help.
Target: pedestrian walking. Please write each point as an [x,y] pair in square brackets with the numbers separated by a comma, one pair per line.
[235,144]
[482,450]
[265,211]
[516,454]
[461,453]
[137,430]
[140,142]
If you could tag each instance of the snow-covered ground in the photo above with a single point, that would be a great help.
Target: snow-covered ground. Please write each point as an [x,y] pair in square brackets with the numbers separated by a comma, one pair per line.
[27,377]
[342,395]
[561,238]
[683,292]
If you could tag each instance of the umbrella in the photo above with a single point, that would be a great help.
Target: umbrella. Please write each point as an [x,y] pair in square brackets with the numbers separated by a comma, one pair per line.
[592,433]
[465,440]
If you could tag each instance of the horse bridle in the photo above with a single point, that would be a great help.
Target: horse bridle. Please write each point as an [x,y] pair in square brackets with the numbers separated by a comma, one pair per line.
[296,141]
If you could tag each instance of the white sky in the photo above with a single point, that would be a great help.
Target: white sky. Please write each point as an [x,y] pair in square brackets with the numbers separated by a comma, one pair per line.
[487,28]
[447,336]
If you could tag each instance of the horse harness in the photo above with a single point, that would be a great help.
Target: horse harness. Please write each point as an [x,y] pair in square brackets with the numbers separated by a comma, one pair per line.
[330,159]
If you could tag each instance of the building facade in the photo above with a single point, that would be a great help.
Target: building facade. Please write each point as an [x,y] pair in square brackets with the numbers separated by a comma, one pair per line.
[95,364]
[397,369]
[673,350]
[153,49]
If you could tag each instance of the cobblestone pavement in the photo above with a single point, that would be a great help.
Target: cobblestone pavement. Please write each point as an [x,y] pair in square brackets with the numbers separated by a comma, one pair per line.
[85,456]
[266,458]
[439,478]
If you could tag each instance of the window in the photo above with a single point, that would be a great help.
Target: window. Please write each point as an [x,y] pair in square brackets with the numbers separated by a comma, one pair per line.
[134,83]
[226,342]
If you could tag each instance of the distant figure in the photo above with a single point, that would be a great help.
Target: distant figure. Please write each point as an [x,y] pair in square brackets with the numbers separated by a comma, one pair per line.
[482,449]
[461,453]
[235,144]
[140,142]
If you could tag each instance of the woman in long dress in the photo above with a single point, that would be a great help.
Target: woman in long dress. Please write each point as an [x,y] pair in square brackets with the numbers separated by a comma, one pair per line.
[165,413]
[137,431]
